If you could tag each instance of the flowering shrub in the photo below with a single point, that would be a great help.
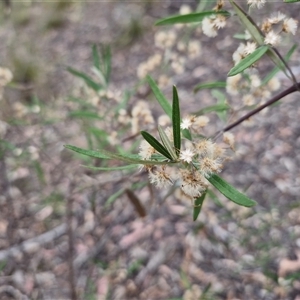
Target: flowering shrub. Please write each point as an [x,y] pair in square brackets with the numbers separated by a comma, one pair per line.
[184,157]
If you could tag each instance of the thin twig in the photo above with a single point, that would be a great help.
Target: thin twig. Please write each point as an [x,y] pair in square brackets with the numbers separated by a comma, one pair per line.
[71,248]
[292,89]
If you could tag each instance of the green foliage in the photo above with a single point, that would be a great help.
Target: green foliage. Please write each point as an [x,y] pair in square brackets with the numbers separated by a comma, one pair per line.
[229,191]
[156,144]
[176,121]
[198,205]
[249,60]
[209,85]
[190,18]
[165,105]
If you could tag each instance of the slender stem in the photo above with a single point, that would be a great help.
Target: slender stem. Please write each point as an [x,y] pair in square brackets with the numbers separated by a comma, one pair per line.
[73,294]
[276,98]
[286,66]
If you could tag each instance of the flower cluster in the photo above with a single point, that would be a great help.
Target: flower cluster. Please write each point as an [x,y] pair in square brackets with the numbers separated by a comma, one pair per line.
[249,85]
[283,23]
[196,162]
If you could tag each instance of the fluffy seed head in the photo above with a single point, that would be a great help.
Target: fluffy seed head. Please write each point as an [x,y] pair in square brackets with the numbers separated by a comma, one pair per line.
[187,155]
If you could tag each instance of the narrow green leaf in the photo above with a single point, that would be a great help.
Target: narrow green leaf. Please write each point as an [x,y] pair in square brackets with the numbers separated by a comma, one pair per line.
[96,58]
[156,144]
[91,153]
[229,191]
[248,61]
[276,69]
[167,143]
[240,36]
[112,168]
[210,85]
[212,108]
[198,206]
[107,62]
[164,103]
[87,79]
[187,134]
[248,23]
[291,1]
[84,114]
[113,197]
[107,155]
[176,121]
[190,18]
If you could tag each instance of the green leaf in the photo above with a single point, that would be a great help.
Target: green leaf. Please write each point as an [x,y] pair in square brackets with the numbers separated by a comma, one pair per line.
[107,62]
[249,60]
[176,121]
[291,1]
[229,191]
[187,134]
[164,103]
[112,198]
[167,143]
[156,144]
[87,79]
[107,155]
[212,108]
[112,168]
[84,114]
[198,206]
[209,85]
[240,36]
[96,58]
[248,23]
[276,69]
[190,18]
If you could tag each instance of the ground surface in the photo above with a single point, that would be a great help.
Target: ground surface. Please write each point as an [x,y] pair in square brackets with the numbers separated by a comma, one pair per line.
[60,238]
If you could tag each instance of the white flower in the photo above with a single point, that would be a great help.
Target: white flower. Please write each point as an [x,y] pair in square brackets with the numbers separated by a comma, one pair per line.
[201,121]
[146,150]
[274,84]
[210,165]
[249,48]
[228,139]
[219,21]
[208,27]
[185,9]
[232,84]
[187,155]
[192,183]
[242,51]
[238,54]
[258,3]
[160,178]
[248,99]
[255,81]
[276,17]
[272,38]
[186,123]
[290,26]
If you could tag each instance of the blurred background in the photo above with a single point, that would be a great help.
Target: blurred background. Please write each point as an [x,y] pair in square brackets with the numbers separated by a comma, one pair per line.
[73,73]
